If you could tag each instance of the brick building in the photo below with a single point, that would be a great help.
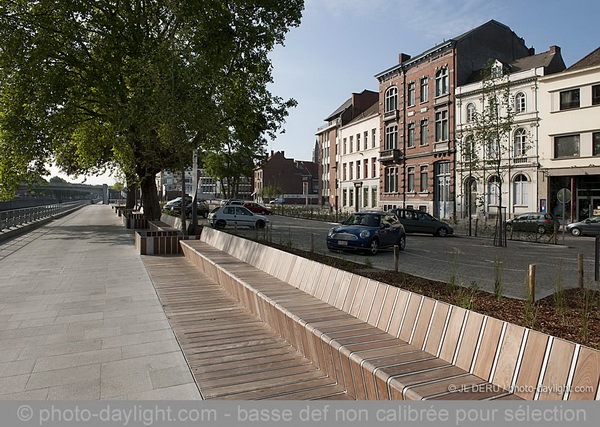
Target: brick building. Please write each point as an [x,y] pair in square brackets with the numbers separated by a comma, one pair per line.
[417,126]
[289,175]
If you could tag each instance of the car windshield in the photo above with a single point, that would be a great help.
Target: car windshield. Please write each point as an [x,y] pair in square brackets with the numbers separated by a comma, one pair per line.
[362,219]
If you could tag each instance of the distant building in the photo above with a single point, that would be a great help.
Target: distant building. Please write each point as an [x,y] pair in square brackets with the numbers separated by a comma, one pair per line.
[570,138]
[295,179]
[328,137]
[168,185]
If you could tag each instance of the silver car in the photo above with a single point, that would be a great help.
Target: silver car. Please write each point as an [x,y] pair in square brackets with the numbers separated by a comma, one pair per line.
[234,215]
[590,226]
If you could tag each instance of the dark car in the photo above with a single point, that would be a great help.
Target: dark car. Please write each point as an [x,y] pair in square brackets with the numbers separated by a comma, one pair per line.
[258,208]
[175,207]
[534,222]
[589,226]
[367,231]
[421,222]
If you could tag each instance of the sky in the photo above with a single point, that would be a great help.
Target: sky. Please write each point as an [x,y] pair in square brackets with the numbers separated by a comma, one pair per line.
[341,44]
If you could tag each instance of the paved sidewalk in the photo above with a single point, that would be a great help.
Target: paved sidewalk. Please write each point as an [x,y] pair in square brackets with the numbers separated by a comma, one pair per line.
[80,319]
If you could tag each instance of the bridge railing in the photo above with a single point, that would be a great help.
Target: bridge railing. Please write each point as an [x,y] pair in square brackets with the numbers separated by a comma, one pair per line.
[17,217]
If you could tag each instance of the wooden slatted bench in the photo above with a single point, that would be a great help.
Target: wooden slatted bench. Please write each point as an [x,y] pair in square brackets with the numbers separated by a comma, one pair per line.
[382,342]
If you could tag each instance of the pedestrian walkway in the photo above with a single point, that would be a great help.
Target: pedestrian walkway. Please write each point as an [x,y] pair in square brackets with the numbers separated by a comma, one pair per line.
[80,319]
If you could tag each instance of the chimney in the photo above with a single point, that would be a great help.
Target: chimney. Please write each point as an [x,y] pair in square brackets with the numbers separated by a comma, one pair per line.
[282,153]
[555,50]
[531,51]
[272,152]
[403,57]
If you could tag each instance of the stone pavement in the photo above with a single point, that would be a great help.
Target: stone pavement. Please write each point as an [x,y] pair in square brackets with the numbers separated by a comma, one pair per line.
[80,319]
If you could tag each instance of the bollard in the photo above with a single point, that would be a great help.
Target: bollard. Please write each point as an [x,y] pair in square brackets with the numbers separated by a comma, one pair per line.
[532,282]
[396,257]
[312,242]
[580,270]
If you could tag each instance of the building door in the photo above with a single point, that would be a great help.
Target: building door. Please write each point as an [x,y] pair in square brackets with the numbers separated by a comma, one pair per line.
[442,190]
[470,193]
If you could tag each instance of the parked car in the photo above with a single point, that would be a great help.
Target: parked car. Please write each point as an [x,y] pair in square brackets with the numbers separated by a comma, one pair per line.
[367,231]
[535,222]
[223,216]
[415,221]
[175,207]
[589,226]
[239,202]
[258,208]
[177,202]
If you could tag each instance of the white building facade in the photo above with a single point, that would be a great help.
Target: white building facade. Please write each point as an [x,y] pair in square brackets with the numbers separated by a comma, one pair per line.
[478,188]
[570,139]
[358,163]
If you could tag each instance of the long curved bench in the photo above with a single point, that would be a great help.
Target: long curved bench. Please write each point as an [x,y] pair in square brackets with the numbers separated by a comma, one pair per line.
[382,342]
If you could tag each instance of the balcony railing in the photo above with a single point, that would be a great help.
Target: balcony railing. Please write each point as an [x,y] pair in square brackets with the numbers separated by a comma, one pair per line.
[390,115]
[392,155]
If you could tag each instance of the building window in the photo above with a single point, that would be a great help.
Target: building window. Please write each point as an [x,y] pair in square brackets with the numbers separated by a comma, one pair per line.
[350,171]
[424,89]
[345,146]
[350,197]
[367,169]
[391,99]
[344,170]
[493,147]
[373,167]
[373,197]
[391,137]
[410,182]
[520,103]
[358,169]
[441,82]
[424,132]
[520,145]
[596,95]
[366,135]
[520,184]
[596,144]
[424,179]
[351,144]
[358,142]
[366,197]
[494,190]
[566,146]
[471,110]
[569,99]
[411,94]
[344,197]
[391,180]
[411,135]
[374,142]
[441,126]
[468,148]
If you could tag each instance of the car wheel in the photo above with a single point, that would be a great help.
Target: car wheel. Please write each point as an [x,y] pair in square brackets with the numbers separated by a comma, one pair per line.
[260,224]
[508,227]
[264,213]
[576,232]
[442,232]
[402,242]
[374,247]
[541,229]
[220,224]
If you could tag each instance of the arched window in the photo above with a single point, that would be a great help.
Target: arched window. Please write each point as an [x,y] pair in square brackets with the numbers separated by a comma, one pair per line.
[441,82]
[493,190]
[520,189]
[391,99]
[471,110]
[520,104]
[520,143]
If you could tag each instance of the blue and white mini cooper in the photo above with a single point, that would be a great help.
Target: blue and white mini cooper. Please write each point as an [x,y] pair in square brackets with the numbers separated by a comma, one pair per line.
[367,231]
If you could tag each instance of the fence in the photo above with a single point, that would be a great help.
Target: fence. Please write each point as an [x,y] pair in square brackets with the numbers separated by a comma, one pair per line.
[17,217]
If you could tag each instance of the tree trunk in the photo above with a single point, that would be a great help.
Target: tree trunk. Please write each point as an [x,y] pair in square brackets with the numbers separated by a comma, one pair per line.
[132,188]
[150,201]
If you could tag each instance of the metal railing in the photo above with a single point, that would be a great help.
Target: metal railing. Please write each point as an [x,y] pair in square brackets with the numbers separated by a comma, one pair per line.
[17,217]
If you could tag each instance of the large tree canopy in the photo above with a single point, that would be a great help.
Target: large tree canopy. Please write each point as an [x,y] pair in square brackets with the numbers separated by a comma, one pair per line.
[134,84]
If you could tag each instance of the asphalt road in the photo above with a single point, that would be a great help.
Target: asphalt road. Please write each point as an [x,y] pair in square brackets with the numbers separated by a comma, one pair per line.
[470,260]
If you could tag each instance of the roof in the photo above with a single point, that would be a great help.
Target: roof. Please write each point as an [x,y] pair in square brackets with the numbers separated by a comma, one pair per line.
[371,111]
[340,110]
[587,61]
[446,43]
